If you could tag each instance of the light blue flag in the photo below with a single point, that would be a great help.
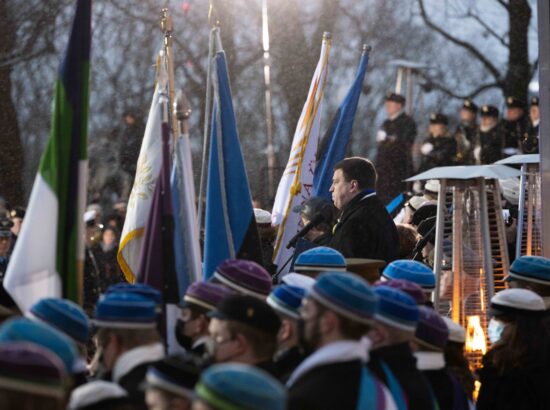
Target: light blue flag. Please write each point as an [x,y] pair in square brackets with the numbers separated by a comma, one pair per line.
[187,251]
[230,227]
[332,148]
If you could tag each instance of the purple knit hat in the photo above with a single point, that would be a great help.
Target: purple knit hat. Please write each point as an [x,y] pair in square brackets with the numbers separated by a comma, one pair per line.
[205,294]
[30,368]
[410,288]
[244,277]
[431,330]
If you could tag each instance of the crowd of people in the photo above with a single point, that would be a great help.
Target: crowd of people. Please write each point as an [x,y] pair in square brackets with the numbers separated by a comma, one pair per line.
[473,141]
[352,326]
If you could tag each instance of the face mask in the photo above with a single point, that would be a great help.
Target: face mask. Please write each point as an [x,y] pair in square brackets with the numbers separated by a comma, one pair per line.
[184,341]
[494,330]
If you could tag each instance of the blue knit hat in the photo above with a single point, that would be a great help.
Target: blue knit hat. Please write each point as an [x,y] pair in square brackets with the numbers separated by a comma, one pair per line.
[534,269]
[26,330]
[65,316]
[396,308]
[347,294]
[125,311]
[235,386]
[412,271]
[141,289]
[320,259]
[431,331]
[287,300]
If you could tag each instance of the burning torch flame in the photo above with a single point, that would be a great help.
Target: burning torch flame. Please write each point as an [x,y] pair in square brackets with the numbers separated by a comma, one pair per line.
[475,337]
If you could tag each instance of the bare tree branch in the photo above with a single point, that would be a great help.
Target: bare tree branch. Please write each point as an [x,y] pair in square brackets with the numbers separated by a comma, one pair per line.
[489,30]
[473,93]
[461,43]
[503,4]
[534,68]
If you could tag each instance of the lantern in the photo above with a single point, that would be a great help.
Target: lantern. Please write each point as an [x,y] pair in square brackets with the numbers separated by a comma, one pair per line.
[471,255]
[529,235]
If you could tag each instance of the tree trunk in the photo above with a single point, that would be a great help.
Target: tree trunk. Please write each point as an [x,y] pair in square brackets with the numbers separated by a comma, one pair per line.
[517,77]
[11,150]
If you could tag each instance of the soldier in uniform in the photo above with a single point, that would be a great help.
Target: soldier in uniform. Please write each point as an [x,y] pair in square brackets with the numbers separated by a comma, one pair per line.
[530,141]
[514,125]
[439,149]
[395,140]
[5,248]
[465,133]
[489,141]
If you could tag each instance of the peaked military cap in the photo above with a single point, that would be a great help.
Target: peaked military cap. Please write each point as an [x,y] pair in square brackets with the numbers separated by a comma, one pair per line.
[438,118]
[489,111]
[248,310]
[398,98]
[470,105]
[513,102]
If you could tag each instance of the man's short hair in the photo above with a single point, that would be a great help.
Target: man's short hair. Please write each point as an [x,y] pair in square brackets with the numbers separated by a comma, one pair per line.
[129,338]
[360,169]
[263,344]
[350,329]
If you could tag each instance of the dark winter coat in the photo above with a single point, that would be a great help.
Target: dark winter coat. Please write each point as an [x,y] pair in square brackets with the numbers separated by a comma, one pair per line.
[464,136]
[447,390]
[332,386]
[366,230]
[394,159]
[513,132]
[287,362]
[530,140]
[491,144]
[402,364]
[525,388]
[442,154]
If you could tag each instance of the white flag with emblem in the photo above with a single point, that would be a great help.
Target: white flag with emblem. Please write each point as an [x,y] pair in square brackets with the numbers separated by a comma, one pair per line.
[296,183]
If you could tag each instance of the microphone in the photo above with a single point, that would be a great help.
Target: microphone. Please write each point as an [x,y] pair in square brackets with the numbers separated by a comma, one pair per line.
[317,219]
[422,243]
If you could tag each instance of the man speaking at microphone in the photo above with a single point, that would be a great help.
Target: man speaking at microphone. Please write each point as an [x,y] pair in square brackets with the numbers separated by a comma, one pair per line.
[364,228]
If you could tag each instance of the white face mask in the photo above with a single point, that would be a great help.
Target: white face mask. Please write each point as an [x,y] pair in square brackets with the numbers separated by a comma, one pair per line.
[494,330]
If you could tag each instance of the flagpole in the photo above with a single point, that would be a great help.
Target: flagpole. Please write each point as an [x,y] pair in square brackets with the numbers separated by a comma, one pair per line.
[166,27]
[270,152]
[215,24]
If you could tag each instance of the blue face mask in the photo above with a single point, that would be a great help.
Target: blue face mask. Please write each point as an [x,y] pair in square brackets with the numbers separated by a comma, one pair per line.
[494,330]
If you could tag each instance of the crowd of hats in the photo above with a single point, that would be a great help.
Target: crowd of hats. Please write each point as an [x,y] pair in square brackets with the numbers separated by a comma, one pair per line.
[39,353]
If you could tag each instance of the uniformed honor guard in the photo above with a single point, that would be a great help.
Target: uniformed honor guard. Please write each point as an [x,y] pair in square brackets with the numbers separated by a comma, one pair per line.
[530,141]
[465,133]
[489,141]
[439,148]
[395,140]
[513,125]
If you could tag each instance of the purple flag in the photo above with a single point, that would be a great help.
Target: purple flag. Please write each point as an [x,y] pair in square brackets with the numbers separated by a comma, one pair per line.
[156,267]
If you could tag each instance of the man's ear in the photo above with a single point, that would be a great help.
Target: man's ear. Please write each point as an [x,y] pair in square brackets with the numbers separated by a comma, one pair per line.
[242,342]
[328,322]
[286,330]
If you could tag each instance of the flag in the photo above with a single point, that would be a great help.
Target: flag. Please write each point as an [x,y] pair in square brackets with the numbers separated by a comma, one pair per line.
[334,145]
[48,257]
[296,184]
[187,250]
[141,196]
[230,227]
[156,265]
